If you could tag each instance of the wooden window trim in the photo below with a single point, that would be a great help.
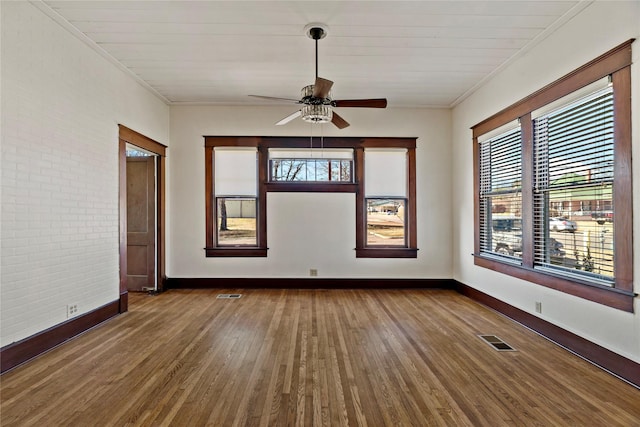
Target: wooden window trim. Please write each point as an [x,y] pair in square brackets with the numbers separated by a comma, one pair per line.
[617,63]
[264,186]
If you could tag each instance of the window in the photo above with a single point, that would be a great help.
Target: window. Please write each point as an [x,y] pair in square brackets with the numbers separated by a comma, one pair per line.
[501,194]
[240,171]
[553,188]
[334,166]
[574,167]
[386,190]
[234,202]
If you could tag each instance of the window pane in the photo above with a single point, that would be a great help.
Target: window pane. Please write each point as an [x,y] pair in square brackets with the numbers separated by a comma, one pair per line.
[236,222]
[311,170]
[504,236]
[386,222]
[578,229]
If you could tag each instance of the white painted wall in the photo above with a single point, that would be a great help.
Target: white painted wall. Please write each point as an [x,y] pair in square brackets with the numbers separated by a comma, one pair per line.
[61,106]
[599,28]
[308,230]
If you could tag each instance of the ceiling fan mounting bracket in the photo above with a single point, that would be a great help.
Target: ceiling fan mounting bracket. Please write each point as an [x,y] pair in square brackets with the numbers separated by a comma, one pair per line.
[316,30]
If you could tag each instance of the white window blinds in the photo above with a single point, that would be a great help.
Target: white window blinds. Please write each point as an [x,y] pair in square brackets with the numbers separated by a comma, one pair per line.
[501,193]
[385,172]
[235,171]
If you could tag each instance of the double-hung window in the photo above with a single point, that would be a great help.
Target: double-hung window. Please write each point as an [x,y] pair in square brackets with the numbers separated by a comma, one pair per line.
[386,197]
[573,187]
[501,193]
[553,184]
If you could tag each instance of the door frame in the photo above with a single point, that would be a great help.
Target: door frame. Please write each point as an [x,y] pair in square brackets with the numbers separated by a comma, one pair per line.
[126,135]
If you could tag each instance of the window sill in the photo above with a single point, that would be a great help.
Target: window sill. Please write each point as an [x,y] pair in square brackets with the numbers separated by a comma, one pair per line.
[235,252]
[386,253]
[612,297]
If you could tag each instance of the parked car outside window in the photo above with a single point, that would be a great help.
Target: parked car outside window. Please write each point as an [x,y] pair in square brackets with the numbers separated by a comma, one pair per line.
[562,224]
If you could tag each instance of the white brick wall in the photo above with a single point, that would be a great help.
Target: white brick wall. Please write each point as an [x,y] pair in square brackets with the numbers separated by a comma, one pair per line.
[61,104]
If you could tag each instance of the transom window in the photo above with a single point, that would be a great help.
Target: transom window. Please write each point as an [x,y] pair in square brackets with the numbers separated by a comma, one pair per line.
[335,166]
[553,202]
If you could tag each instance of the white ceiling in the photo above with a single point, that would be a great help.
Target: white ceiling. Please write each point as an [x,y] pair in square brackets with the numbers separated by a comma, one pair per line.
[415,53]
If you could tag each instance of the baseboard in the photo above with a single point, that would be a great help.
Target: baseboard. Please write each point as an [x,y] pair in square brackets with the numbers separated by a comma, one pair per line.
[306,283]
[19,352]
[606,359]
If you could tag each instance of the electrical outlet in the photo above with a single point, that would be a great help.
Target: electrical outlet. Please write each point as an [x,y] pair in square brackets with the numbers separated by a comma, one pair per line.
[72,310]
[313,272]
[538,307]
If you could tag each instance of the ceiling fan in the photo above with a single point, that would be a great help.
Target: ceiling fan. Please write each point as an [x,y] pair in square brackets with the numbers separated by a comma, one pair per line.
[317,104]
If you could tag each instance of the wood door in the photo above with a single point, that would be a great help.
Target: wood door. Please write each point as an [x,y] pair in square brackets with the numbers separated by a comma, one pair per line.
[141,248]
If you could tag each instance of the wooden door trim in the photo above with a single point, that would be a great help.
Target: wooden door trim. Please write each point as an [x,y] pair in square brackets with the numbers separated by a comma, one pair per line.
[130,136]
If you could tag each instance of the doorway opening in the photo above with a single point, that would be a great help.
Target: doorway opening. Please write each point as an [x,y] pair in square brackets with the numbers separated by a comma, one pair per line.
[142,163]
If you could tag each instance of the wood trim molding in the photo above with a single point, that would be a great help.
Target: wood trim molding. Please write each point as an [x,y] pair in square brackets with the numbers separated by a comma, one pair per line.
[623,230]
[304,142]
[619,365]
[122,213]
[19,352]
[139,140]
[306,283]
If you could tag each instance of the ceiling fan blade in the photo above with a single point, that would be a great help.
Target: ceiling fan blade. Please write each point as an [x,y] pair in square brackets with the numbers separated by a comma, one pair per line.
[365,103]
[339,121]
[322,87]
[273,98]
[289,118]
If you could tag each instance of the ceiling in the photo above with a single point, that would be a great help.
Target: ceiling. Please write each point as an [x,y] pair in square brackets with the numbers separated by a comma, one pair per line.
[415,53]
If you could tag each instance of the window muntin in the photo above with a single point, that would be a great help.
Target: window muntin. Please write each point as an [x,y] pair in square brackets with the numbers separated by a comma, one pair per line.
[573,187]
[501,194]
[386,222]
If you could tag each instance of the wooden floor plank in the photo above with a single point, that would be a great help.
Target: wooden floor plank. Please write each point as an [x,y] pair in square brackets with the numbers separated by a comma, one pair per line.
[311,358]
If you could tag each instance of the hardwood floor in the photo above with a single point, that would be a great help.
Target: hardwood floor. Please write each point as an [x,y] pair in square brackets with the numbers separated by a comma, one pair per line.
[312,357]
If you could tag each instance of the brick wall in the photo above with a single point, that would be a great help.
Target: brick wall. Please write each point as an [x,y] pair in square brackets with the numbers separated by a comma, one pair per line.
[61,104]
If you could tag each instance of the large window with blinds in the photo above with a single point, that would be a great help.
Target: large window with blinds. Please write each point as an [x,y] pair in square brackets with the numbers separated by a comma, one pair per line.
[553,184]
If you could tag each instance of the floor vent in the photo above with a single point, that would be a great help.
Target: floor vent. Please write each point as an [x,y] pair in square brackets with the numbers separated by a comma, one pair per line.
[497,343]
[229,296]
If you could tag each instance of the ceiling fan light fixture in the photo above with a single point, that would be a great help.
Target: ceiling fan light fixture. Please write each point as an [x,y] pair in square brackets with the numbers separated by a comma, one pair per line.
[317,113]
